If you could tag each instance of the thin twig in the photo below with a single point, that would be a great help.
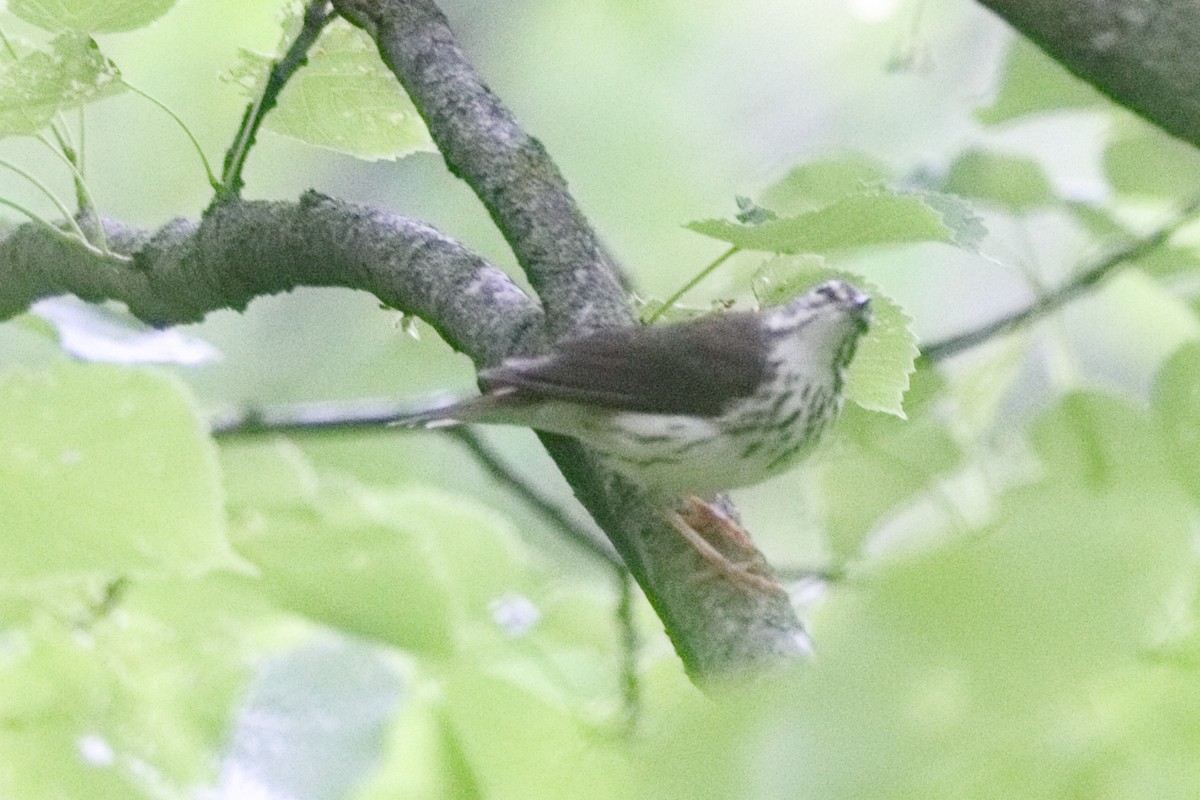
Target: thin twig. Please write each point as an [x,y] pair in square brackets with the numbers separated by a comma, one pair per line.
[590,539]
[1079,285]
[306,418]
[630,688]
[316,16]
[374,416]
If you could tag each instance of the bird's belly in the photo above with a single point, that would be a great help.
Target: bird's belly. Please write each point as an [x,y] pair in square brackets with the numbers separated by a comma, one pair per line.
[674,455]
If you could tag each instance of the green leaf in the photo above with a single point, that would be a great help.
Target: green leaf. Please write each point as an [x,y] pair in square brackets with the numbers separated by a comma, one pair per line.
[810,186]
[474,548]
[1128,328]
[90,16]
[1167,261]
[855,221]
[1012,182]
[37,84]
[1033,83]
[415,568]
[878,376]
[1146,161]
[1007,662]
[110,471]
[344,99]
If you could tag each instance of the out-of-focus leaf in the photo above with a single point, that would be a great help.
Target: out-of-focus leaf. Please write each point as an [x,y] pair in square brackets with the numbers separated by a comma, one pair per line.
[105,471]
[96,333]
[90,16]
[1033,83]
[134,700]
[855,221]
[496,722]
[1177,404]
[877,464]
[415,568]
[37,84]
[1005,663]
[1146,161]
[321,555]
[1124,331]
[315,723]
[343,99]
[1098,440]
[1011,182]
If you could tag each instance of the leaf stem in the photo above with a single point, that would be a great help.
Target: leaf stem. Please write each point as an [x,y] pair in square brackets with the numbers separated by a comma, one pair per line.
[687,287]
[8,47]
[77,240]
[83,196]
[59,204]
[212,178]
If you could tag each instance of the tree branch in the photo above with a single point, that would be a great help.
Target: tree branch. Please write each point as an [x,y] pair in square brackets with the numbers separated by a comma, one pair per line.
[1141,54]
[508,170]
[245,250]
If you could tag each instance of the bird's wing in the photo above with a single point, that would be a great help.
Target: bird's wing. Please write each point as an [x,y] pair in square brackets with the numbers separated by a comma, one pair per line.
[689,368]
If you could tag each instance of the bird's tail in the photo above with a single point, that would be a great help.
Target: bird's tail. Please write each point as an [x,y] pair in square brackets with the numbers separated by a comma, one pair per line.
[447,414]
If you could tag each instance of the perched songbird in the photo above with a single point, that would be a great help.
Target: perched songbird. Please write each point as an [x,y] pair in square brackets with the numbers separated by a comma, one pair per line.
[686,409]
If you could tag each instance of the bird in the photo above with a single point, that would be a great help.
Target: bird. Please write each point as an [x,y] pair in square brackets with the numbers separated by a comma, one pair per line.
[689,409]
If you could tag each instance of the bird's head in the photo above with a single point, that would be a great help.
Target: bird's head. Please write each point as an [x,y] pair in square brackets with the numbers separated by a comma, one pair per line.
[822,325]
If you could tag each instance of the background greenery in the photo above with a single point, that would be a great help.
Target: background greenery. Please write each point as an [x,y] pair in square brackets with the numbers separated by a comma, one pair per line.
[371,616]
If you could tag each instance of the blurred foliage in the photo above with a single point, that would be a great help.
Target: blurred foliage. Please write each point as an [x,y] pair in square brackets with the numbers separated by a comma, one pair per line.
[369,617]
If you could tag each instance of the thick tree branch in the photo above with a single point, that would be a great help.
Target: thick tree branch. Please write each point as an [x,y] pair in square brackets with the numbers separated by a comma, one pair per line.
[245,250]
[508,170]
[1142,54]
